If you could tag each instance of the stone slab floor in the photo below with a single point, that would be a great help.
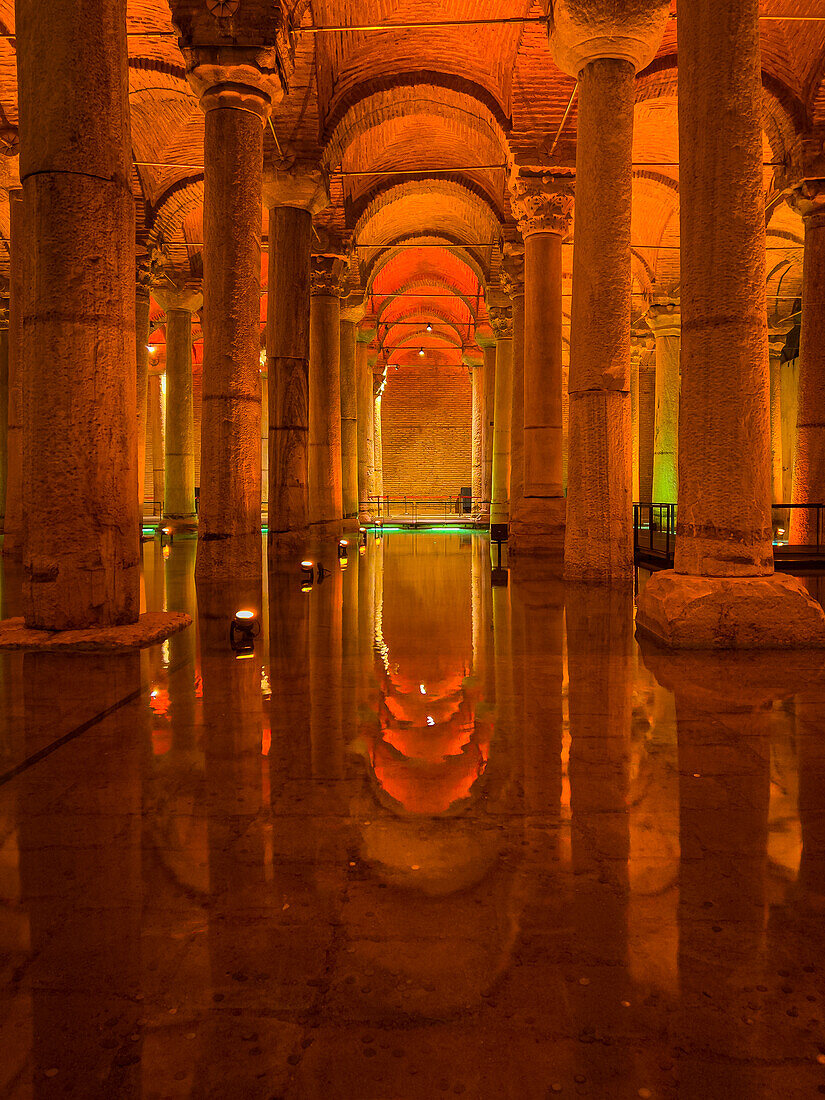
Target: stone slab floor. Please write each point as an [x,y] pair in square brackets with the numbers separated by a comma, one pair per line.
[434,837]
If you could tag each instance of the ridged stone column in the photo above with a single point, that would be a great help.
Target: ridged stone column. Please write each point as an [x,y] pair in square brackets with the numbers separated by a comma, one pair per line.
[179,437]
[501,319]
[604,48]
[665,323]
[723,592]
[82,550]
[236,97]
[366,415]
[293,193]
[544,210]
[809,459]
[325,490]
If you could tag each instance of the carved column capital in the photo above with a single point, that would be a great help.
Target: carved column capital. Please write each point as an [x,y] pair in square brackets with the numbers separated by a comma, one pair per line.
[241,77]
[664,317]
[149,269]
[186,296]
[512,271]
[296,182]
[501,319]
[4,314]
[328,276]
[807,198]
[541,205]
[582,31]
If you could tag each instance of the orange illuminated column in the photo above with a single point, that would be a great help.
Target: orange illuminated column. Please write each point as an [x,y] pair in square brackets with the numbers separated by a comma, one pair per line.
[82,552]
[237,89]
[477,383]
[501,319]
[777,336]
[636,351]
[603,45]
[512,282]
[488,346]
[723,592]
[4,406]
[14,501]
[293,194]
[155,418]
[544,211]
[352,311]
[378,445]
[809,461]
[142,303]
[179,458]
[366,416]
[328,274]
[665,323]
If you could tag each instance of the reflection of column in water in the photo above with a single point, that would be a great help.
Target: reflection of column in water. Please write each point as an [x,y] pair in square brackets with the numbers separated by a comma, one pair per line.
[349,635]
[80,867]
[325,670]
[366,622]
[182,649]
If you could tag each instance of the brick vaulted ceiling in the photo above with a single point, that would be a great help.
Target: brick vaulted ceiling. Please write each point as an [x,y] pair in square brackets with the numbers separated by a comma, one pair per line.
[419,128]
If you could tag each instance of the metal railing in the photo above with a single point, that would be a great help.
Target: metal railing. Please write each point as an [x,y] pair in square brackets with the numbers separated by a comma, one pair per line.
[414,510]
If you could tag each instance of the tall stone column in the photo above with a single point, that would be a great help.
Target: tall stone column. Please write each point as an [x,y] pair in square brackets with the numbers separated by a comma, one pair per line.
[366,416]
[15,503]
[477,464]
[82,550]
[4,407]
[604,48]
[647,421]
[544,211]
[325,475]
[156,432]
[488,347]
[723,592]
[777,335]
[501,319]
[378,443]
[236,88]
[665,323]
[264,442]
[809,458]
[512,281]
[352,311]
[636,352]
[179,456]
[142,303]
[294,191]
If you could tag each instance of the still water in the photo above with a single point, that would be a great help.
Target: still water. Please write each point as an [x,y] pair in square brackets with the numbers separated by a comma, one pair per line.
[435,837]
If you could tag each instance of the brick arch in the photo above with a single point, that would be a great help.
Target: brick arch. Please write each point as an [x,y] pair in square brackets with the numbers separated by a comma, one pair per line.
[453,266]
[656,223]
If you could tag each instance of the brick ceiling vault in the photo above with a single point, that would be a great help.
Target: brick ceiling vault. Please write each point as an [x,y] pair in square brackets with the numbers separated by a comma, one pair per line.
[419,129]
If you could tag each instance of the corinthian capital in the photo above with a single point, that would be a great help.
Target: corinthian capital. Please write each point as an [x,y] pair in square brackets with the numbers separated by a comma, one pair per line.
[541,205]
[328,276]
[512,270]
[501,320]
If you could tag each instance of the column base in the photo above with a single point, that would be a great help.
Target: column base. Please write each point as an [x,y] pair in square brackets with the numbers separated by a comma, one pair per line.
[538,526]
[681,611]
[181,525]
[150,629]
[364,517]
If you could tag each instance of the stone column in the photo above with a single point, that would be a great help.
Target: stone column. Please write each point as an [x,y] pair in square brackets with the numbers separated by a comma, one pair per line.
[477,383]
[179,456]
[512,281]
[142,302]
[488,346]
[501,319]
[82,550]
[13,523]
[294,191]
[236,89]
[603,48]
[352,311]
[366,415]
[4,407]
[777,335]
[264,443]
[636,351]
[544,211]
[723,592]
[156,418]
[379,449]
[647,421]
[665,323]
[809,458]
[325,475]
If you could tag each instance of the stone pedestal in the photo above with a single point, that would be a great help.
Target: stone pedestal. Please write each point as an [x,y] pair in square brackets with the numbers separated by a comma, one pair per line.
[665,323]
[603,45]
[723,591]
[325,476]
[293,191]
[501,318]
[179,437]
[544,209]
[366,413]
[14,501]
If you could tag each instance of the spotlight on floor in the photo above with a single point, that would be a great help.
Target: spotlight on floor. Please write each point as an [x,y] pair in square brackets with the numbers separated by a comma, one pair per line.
[308,570]
[362,535]
[343,548]
[244,630]
[167,536]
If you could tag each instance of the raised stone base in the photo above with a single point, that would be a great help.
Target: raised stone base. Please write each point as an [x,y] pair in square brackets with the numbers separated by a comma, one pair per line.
[538,527]
[180,526]
[151,628]
[680,611]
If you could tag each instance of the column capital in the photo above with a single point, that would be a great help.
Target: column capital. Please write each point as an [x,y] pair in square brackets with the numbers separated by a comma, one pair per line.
[4,313]
[541,204]
[149,272]
[184,296]
[244,78]
[512,271]
[807,198]
[353,307]
[296,182]
[328,275]
[582,31]
[664,317]
[501,319]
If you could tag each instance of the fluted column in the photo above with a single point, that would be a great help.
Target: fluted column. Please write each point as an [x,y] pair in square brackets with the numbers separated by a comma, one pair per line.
[604,47]
[665,323]
[488,347]
[179,457]
[512,282]
[352,311]
[236,89]
[325,476]
[723,592]
[544,211]
[809,457]
[501,319]
[82,550]
[15,503]
[366,416]
[294,192]
[777,335]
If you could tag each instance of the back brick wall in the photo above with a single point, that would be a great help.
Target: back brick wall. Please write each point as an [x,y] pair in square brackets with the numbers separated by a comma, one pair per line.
[426,420]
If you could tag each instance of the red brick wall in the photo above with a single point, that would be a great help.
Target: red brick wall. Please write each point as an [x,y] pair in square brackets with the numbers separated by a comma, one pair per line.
[426,416]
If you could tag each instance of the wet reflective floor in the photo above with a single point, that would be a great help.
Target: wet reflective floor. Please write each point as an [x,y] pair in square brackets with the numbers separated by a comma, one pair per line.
[435,837]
